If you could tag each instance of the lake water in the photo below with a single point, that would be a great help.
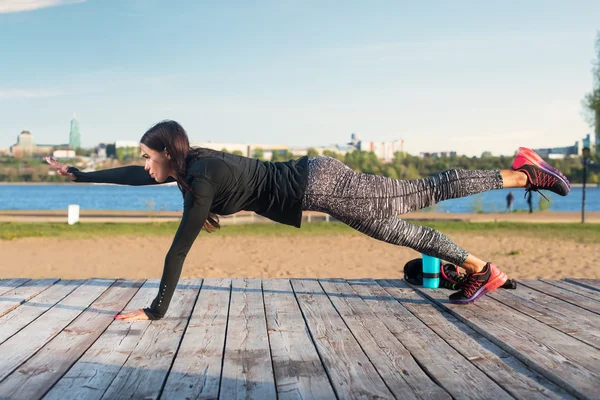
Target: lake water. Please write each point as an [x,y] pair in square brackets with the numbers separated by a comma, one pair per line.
[166,197]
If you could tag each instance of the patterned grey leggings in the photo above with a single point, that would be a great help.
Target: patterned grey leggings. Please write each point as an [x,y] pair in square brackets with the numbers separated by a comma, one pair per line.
[370,203]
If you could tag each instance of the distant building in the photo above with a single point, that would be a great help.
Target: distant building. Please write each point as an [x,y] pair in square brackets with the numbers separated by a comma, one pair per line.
[438,154]
[126,143]
[4,151]
[26,147]
[74,135]
[264,151]
[219,146]
[64,154]
[101,150]
[383,150]
[562,152]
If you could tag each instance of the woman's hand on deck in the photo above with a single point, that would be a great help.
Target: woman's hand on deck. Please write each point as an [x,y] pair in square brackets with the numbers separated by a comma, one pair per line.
[136,315]
[60,168]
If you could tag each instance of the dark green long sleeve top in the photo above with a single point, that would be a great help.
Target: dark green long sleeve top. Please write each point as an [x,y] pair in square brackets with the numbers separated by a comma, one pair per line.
[223,184]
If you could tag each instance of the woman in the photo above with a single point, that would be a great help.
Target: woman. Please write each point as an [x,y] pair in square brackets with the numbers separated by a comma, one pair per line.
[214,182]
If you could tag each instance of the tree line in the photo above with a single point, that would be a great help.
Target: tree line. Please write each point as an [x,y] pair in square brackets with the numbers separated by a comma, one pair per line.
[403,166]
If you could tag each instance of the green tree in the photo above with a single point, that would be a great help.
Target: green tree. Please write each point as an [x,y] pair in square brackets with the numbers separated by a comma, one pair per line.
[333,154]
[312,152]
[259,153]
[591,100]
[237,153]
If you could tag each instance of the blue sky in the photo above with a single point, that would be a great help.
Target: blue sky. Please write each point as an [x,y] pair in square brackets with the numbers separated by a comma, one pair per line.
[468,76]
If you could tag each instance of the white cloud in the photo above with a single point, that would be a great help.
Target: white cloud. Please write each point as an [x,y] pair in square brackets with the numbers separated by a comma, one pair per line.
[13,6]
[29,93]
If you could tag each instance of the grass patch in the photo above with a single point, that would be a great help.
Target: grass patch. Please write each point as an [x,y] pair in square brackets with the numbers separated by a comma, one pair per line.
[585,233]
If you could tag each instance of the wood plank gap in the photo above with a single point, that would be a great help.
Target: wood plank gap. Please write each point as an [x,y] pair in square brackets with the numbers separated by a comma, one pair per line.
[593,284]
[262,293]
[225,341]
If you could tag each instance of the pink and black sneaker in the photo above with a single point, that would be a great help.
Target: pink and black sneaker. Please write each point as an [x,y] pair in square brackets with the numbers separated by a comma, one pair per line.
[540,174]
[476,285]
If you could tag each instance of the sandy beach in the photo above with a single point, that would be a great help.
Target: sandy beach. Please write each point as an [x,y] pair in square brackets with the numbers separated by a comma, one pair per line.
[346,256]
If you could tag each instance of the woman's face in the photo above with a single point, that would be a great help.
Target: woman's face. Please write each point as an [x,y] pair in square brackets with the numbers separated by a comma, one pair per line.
[157,163]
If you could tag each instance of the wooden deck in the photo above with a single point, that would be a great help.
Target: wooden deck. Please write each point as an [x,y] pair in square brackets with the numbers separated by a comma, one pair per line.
[298,338]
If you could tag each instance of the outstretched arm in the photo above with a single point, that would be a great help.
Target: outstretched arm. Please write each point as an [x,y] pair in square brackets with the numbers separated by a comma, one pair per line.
[194,216]
[134,175]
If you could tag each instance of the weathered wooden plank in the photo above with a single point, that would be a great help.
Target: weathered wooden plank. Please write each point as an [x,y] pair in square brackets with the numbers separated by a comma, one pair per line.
[145,371]
[93,373]
[6,285]
[593,284]
[395,364]
[572,287]
[299,373]
[196,372]
[247,368]
[563,294]
[37,375]
[501,367]
[564,360]
[14,298]
[440,361]
[22,316]
[560,315]
[30,339]
[351,372]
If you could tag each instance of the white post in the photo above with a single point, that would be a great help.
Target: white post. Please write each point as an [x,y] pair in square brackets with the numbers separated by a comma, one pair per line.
[73,214]
[326,217]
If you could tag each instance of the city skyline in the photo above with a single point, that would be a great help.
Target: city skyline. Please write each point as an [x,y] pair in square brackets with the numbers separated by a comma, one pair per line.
[470,79]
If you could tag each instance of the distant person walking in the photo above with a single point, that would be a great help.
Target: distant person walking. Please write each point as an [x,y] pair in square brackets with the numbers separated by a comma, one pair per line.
[214,182]
[510,198]
[530,202]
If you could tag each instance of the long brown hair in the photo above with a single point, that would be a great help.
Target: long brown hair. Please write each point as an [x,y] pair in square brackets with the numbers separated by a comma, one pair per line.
[171,136]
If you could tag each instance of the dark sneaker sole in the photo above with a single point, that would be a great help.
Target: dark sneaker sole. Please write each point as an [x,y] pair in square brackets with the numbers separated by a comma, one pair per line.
[537,161]
[489,287]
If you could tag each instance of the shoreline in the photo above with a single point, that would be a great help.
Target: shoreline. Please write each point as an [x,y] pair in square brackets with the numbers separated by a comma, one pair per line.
[245,217]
